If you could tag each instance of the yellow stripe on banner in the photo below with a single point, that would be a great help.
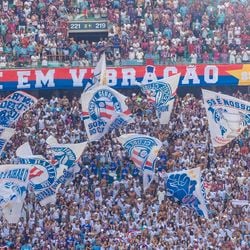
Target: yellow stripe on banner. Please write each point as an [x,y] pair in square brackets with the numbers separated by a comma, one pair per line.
[243,75]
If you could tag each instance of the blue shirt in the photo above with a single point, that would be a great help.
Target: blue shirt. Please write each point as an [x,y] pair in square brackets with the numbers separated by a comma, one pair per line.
[94,168]
[26,247]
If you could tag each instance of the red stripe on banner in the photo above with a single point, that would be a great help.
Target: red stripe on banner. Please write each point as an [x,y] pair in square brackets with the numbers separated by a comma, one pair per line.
[127,112]
[109,107]
[150,99]
[136,161]
[84,113]
[148,164]
[12,75]
[106,115]
[34,172]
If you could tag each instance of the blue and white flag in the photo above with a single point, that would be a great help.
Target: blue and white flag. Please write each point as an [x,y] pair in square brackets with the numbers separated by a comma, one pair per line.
[5,135]
[43,174]
[186,187]
[13,107]
[48,194]
[162,94]
[142,150]
[13,187]
[68,155]
[99,74]
[227,116]
[103,109]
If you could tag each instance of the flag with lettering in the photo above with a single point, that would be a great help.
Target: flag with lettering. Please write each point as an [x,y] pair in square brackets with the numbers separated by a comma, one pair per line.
[43,173]
[5,135]
[142,150]
[99,74]
[13,188]
[103,109]
[227,116]
[162,94]
[13,107]
[67,154]
[186,187]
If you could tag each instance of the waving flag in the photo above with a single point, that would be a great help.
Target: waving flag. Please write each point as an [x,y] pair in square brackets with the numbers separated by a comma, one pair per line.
[103,109]
[99,74]
[143,151]
[186,187]
[5,135]
[227,116]
[13,106]
[67,154]
[162,94]
[13,187]
[43,174]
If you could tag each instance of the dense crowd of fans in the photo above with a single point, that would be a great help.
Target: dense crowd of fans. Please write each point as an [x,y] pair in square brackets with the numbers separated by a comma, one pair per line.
[104,207]
[34,33]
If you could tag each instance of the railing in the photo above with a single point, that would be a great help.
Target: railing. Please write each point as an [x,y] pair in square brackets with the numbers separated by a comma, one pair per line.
[24,61]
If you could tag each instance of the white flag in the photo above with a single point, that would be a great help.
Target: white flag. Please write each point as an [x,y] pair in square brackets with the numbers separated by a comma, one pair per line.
[142,150]
[186,187]
[66,154]
[103,109]
[13,188]
[162,94]
[149,167]
[5,135]
[43,174]
[227,116]
[99,74]
[13,106]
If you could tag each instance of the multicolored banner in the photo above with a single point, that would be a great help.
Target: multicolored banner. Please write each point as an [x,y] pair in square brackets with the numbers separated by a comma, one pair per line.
[186,187]
[162,94]
[227,116]
[142,150]
[125,77]
[13,187]
[103,109]
[13,106]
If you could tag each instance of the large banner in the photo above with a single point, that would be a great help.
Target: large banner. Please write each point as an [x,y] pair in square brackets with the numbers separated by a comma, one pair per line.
[125,77]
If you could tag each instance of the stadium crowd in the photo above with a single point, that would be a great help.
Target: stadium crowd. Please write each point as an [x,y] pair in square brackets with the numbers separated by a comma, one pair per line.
[35,33]
[104,207]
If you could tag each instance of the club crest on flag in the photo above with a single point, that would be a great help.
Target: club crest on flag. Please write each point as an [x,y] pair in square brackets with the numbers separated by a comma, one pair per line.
[158,92]
[43,173]
[64,156]
[139,148]
[103,105]
[143,151]
[227,116]
[162,94]
[103,109]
